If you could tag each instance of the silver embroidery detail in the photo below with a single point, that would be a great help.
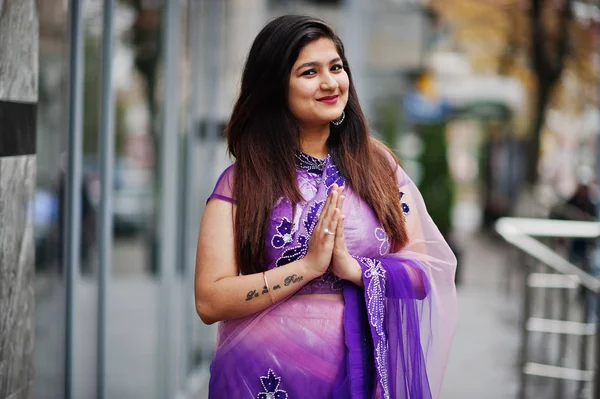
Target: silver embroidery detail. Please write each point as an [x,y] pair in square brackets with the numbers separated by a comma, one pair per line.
[383,238]
[376,308]
[270,384]
[284,234]
[404,205]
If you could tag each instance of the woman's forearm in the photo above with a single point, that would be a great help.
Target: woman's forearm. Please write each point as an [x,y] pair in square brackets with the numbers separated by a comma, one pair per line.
[238,296]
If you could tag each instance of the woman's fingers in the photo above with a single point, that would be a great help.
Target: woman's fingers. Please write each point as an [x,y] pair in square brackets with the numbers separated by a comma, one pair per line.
[339,232]
[331,211]
[322,212]
[340,200]
[339,205]
[328,208]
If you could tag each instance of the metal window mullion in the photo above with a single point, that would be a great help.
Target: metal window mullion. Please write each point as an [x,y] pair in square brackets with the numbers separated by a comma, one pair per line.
[105,228]
[190,222]
[72,187]
[168,197]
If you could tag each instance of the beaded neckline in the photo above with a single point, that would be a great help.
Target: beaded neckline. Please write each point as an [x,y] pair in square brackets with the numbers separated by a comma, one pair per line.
[310,163]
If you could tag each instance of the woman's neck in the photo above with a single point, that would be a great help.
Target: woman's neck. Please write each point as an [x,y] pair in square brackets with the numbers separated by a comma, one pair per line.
[313,141]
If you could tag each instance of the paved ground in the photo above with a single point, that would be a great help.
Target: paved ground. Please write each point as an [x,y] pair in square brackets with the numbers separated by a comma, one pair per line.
[484,356]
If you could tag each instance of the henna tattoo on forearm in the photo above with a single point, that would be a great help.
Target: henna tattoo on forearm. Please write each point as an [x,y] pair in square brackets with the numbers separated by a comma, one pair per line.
[265,290]
[276,287]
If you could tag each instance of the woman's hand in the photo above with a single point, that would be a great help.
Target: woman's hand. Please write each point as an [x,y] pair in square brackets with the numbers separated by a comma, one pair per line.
[320,247]
[343,265]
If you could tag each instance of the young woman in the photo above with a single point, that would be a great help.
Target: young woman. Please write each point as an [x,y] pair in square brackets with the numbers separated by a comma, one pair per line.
[316,252]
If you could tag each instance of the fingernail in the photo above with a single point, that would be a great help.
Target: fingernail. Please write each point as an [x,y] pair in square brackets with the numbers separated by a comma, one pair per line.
[343,196]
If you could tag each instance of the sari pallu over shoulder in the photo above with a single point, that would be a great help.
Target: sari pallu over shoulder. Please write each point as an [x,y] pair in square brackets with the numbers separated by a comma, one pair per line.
[410,305]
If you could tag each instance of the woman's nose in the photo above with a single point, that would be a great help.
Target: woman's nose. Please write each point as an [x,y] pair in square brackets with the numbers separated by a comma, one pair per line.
[329,82]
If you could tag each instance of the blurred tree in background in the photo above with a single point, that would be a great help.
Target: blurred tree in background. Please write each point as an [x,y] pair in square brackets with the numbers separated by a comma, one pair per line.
[533,40]
[436,185]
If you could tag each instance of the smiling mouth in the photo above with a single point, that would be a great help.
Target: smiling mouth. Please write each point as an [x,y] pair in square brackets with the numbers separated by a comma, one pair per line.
[328,99]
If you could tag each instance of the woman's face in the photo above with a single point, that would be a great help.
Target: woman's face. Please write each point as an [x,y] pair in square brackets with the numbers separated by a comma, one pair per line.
[318,84]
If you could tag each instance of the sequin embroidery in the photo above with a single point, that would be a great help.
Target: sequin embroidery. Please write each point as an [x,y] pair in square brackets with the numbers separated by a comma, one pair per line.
[311,164]
[405,207]
[270,384]
[284,234]
[294,253]
[384,240]
[374,274]
[333,176]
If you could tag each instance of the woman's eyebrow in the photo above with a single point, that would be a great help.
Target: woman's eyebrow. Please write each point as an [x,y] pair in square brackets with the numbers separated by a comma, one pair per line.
[315,63]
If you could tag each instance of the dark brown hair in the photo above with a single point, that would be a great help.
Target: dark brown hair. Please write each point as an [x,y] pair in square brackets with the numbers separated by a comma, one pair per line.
[263,136]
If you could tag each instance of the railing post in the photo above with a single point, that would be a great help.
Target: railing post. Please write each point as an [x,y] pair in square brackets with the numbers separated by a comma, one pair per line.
[562,342]
[525,333]
[585,343]
[546,294]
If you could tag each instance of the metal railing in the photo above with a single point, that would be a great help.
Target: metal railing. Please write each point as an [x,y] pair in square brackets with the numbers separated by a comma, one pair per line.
[560,328]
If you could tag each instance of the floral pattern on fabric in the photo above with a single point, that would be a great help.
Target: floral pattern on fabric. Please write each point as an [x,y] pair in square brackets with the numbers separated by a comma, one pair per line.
[294,253]
[383,238]
[333,176]
[285,234]
[299,251]
[405,207]
[374,279]
[311,164]
[270,384]
[312,217]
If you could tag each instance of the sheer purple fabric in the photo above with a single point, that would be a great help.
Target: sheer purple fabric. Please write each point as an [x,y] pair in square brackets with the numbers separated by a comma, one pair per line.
[224,188]
[388,340]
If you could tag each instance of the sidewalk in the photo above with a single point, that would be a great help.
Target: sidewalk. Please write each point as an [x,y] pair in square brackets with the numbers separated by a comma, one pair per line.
[483,361]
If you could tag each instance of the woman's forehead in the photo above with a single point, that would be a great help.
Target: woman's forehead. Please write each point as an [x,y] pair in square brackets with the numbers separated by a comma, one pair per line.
[320,50]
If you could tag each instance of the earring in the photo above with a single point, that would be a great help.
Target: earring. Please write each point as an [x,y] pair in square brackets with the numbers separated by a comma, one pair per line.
[339,120]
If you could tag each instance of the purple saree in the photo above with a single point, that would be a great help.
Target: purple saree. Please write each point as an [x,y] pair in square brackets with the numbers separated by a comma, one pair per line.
[333,339]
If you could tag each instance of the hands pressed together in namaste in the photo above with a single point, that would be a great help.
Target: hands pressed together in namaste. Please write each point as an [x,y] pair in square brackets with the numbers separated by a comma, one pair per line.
[327,246]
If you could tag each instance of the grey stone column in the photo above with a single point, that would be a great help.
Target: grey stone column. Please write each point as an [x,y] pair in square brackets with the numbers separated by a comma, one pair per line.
[18,98]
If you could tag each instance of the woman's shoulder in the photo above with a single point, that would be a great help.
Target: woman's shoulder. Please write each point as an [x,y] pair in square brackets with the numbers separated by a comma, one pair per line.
[224,187]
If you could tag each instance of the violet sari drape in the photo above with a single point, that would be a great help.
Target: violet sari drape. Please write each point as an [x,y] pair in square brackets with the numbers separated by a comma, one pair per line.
[333,339]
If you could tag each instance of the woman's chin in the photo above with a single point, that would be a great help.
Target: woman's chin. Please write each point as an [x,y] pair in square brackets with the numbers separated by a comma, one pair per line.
[331,116]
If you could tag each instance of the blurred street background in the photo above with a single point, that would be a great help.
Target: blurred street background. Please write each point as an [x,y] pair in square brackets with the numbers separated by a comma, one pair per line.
[491,105]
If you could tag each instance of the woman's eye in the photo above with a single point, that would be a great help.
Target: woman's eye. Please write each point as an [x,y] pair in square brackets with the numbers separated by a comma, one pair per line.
[337,67]
[309,72]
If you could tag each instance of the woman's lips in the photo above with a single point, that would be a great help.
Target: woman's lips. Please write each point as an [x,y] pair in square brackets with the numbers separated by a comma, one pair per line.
[328,99]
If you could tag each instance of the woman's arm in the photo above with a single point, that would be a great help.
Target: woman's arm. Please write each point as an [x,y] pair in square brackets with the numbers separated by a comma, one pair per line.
[222,294]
